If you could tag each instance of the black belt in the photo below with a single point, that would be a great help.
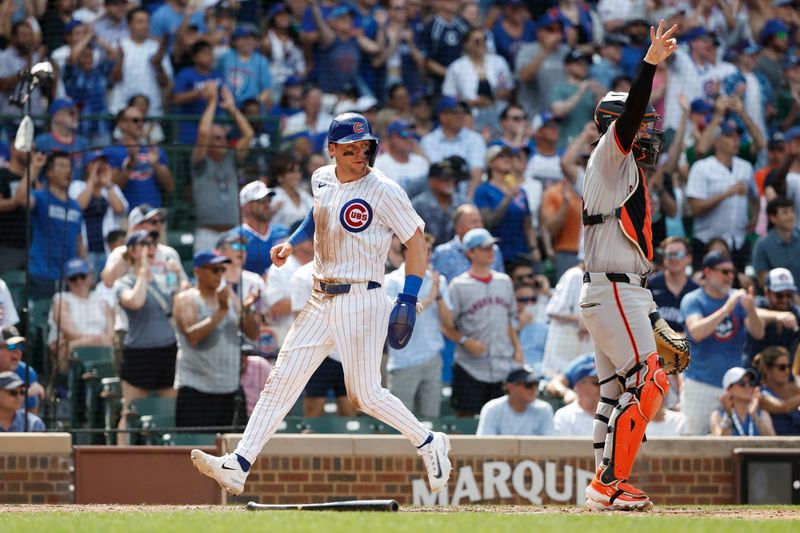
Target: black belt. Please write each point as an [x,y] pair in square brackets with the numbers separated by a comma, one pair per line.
[343,288]
[619,278]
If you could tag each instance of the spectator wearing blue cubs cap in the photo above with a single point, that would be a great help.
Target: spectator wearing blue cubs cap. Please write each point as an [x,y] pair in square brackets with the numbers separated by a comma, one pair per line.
[12,415]
[576,418]
[453,137]
[63,135]
[244,69]
[718,319]
[722,193]
[400,160]
[539,65]
[103,204]
[774,37]
[207,319]
[78,316]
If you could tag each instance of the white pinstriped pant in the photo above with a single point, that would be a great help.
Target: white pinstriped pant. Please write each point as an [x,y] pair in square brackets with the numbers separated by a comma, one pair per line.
[355,324]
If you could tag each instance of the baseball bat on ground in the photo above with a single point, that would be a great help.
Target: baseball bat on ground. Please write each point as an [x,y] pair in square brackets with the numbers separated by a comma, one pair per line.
[351,505]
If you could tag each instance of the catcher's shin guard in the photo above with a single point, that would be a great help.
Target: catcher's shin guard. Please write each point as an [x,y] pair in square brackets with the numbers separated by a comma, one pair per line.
[629,419]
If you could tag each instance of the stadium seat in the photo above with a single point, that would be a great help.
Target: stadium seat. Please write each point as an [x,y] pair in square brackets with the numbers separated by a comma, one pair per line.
[111,398]
[89,365]
[456,425]
[339,424]
[190,439]
[148,414]
[292,424]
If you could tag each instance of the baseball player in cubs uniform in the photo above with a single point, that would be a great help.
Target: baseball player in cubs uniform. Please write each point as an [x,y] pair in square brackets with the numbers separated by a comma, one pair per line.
[615,303]
[356,211]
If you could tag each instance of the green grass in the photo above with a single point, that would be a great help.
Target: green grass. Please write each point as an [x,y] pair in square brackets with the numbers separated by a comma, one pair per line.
[202,521]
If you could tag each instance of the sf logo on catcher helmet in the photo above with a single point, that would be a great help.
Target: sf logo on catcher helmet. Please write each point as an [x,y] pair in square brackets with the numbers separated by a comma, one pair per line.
[356,215]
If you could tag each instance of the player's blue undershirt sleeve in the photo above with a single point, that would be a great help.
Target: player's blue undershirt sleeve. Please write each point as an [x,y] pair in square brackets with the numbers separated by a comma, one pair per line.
[305,231]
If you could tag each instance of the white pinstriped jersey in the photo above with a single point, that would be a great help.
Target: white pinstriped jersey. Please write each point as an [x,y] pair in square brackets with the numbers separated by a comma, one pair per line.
[354,223]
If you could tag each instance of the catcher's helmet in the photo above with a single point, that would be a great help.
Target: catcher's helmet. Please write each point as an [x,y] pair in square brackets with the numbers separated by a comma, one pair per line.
[611,107]
[352,127]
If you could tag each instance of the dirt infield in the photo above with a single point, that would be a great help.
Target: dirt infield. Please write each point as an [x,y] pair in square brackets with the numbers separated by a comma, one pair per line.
[728,512]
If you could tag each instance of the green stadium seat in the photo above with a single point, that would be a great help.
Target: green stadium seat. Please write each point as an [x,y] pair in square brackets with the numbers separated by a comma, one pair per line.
[340,425]
[190,439]
[292,424]
[111,398]
[456,426]
[148,414]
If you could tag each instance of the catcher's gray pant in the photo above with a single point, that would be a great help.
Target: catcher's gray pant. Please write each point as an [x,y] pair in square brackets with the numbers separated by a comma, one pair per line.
[355,324]
[617,316]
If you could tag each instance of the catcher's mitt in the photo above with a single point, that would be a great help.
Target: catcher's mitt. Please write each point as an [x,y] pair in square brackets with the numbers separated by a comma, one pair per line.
[675,350]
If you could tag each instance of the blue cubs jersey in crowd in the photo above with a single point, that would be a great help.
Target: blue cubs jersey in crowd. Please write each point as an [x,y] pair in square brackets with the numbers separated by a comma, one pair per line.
[258,246]
[55,225]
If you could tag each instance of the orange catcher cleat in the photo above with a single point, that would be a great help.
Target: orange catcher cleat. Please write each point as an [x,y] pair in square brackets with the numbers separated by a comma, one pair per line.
[618,495]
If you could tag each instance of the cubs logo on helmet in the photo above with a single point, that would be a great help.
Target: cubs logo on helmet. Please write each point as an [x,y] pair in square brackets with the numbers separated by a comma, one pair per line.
[356,215]
[351,127]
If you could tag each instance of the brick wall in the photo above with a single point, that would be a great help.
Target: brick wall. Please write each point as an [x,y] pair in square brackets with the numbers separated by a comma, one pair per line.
[316,468]
[35,468]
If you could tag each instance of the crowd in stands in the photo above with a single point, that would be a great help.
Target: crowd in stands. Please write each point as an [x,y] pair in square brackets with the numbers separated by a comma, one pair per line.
[485,114]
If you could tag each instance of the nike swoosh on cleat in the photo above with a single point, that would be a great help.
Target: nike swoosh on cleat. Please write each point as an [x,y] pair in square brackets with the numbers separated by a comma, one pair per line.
[321,185]
[438,475]
[227,468]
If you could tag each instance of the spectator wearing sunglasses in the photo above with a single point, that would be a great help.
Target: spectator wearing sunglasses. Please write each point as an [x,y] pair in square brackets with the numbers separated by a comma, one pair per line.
[718,320]
[140,170]
[149,347]
[780,314]
[12,415]
[207,319]
[740,414]
[519,412]
[12,345]
[401,160]
[671,284]
[166,264]
[780,396]
[78,316]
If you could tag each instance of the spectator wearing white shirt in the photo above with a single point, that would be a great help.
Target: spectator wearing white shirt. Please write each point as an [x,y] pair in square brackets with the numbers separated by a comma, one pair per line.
[415,372]
[291,202]
[8,312]
[330,374]
[400,160]
[567,337]
[482,80]
[312,119]
[723,197]
[452,137]
[615,13]
[233,245]
[689,72]
[576,419]
[279,287]
[519,412]
[144,67]
[111,26]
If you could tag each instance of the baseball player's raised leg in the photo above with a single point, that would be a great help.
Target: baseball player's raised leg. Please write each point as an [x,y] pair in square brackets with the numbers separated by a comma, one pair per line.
[622,331]
[307,344]
[359,335]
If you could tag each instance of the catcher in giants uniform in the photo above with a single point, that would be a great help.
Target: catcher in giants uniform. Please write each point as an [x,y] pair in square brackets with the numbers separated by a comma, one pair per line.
[615,304]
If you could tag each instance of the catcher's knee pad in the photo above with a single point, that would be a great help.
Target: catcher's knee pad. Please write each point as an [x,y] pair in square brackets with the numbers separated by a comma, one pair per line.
[629,420]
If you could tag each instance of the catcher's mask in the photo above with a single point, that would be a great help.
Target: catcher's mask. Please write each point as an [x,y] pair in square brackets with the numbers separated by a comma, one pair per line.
[645,149]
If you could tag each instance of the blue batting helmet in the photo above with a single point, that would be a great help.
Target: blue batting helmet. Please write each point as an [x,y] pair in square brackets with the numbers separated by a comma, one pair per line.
[352,127]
